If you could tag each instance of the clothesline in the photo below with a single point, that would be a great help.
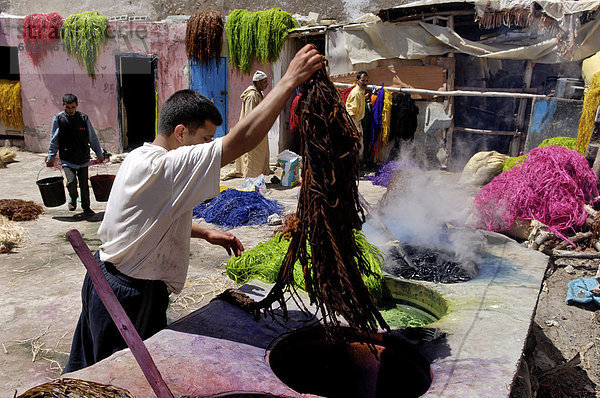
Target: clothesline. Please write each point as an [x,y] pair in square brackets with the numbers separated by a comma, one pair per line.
[463,93]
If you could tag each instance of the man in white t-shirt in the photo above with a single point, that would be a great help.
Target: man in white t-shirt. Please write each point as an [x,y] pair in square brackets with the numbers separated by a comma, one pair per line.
[147,225]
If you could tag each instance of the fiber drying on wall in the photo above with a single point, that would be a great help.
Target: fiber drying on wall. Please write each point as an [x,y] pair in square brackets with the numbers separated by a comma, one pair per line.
[203,36]
[261,34]
[11,109]
[393,117]
[588,115]
[40,35]
[82,36]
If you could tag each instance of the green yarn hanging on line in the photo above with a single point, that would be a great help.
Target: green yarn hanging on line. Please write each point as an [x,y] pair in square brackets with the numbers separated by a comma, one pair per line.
[82,36]
[263,263]
[260,33]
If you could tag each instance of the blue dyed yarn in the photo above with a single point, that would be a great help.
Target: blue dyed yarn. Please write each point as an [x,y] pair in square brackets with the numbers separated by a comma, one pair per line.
[384,175]
[233,208]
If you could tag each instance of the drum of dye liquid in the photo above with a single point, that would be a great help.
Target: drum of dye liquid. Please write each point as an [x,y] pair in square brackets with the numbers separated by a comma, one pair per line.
[397,313]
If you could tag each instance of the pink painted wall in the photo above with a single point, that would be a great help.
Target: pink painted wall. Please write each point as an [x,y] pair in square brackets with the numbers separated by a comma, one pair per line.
[236,84]
[43,86]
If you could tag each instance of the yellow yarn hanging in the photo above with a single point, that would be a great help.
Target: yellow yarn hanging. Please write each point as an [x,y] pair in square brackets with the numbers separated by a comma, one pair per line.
[588,115]
[386,116]
[11,110]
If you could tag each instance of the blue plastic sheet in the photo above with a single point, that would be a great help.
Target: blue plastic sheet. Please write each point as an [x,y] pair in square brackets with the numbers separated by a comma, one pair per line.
[579,291]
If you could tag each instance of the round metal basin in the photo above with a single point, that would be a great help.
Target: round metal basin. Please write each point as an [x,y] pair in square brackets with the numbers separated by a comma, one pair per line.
[426,303]
[431,265]
[349,365]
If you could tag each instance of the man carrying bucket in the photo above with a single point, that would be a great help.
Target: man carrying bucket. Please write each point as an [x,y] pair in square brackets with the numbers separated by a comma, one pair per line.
[72,137]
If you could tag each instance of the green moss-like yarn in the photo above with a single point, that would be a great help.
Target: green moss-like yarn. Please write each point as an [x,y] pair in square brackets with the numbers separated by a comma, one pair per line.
[82,36]
[512,162]
[567,142]
[261,34]
[264,260]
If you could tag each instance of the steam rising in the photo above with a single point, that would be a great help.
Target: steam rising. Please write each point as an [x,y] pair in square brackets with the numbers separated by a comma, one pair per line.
[427,209]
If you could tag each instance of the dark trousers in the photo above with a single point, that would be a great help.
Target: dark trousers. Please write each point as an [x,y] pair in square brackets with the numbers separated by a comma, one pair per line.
[96,336]
[78,175]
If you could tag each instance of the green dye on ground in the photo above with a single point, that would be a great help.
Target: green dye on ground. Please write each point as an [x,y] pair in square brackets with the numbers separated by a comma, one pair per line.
[398,313]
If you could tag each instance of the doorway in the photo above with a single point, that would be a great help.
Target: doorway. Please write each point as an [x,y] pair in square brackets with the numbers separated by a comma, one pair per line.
[136,75]
[11,118]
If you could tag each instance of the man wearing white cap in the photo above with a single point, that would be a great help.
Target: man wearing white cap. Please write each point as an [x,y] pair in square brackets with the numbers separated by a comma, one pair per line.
[256,162]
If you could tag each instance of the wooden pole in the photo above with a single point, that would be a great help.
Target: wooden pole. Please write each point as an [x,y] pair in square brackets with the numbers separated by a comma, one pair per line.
[482,131]
[449,101]
[119,317]
[465,93]
[517,140]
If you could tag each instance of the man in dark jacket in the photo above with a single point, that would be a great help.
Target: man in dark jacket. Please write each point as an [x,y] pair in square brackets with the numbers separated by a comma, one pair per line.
[72,137]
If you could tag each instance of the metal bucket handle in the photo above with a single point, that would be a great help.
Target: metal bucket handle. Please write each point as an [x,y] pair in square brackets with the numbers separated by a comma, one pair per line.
[59,169]
[93,163]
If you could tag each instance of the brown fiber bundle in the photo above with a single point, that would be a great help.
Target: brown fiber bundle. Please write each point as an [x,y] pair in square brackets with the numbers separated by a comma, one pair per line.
[328,211]
[20,210]
[203,36]
[71,388]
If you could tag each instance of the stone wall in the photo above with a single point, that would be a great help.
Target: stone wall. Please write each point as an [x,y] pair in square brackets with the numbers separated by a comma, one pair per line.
[340,10]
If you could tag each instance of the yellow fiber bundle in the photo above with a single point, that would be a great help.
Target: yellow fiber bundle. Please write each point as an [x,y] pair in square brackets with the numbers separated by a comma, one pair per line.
[588,115]
[11,110]
[8,154]
[11,234]
[386,116]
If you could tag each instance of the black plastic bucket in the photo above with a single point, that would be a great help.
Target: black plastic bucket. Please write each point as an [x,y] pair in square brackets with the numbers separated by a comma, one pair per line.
[52,190]
[101,185]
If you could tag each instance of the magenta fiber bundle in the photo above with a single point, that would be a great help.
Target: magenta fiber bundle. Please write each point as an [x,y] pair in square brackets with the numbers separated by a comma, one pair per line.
[551,186]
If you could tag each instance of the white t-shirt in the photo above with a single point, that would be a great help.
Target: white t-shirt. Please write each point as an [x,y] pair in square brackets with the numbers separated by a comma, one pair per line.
[148,220]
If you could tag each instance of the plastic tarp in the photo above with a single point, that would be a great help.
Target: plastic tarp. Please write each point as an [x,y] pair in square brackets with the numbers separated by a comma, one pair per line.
[366,43]
[556,9]
[580,291]
[553,8]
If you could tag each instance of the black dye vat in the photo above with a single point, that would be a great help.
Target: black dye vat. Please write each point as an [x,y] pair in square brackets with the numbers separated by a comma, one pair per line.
[432,265]
[353,365]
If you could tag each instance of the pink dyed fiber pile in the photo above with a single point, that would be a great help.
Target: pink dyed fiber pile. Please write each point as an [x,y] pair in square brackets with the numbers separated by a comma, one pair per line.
[551,186]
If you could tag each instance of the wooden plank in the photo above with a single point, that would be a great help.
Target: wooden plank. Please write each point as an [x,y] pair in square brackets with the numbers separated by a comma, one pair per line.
[427,77]
[118,315]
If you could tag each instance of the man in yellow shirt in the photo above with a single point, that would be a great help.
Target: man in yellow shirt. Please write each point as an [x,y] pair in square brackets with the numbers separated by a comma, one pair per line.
[355,104]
